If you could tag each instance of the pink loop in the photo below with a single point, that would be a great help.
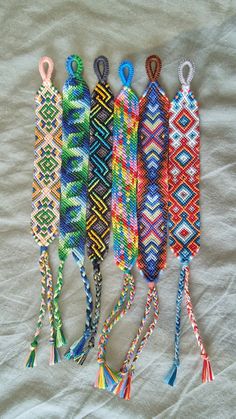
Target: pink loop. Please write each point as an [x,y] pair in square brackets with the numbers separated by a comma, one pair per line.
[46,74]
[151,285]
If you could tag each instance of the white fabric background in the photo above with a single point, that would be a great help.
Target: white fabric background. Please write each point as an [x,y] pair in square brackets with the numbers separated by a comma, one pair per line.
[205,32]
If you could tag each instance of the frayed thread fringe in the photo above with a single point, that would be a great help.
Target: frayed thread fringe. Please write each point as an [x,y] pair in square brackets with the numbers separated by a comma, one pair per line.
[80,349]
[207,373]
[54,355]
[31,360]
[114,382]
[171,376]
[60,338]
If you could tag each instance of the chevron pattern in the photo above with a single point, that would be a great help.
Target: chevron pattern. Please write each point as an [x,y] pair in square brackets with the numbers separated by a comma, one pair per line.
[47,165]
[152,181]
[99,188]
[184,174]
[74,171]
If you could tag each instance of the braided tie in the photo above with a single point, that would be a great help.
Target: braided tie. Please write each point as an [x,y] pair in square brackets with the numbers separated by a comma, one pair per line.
[124,219]
[99,190]
[74,174]
[184,207]
[46,194]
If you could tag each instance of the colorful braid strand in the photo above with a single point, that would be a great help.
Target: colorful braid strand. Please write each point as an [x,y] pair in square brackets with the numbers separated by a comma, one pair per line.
[124,212]
[184,206]
[46,194]
[74,175]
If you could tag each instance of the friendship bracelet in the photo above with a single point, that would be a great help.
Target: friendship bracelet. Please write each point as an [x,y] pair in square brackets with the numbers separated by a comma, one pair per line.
[46,193]
[74,175]
[184,207]
[124,211]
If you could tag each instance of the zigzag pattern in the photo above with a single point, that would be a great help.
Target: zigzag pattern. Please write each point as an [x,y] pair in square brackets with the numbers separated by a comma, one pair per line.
[74,174]
[99,189]
[152,181]
[184,174]
[74,171]
[47,165]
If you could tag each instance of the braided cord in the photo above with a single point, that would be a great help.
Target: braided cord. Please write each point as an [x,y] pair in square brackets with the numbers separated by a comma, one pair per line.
[89,299]
[34,344]
[184,195]
[179,299]
[54,355]
[131,357]
[46,184]
[122,306]
[97,277]
[60,338]
[207,374]
[155,301]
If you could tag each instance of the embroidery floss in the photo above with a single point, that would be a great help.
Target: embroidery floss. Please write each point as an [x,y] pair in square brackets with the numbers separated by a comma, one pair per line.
[184,207]
[124,212]
[152,211]
[46,193]
[152,206]
[74,174]
[99,188]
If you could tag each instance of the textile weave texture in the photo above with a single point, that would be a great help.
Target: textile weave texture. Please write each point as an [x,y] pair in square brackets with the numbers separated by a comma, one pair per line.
[184,205]
[46,192]
[74,177]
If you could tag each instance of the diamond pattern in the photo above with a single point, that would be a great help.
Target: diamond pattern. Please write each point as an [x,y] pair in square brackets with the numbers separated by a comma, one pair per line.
[184,170]
[183,157]
[185,232]
[47,164]
[184,120]
[183,194]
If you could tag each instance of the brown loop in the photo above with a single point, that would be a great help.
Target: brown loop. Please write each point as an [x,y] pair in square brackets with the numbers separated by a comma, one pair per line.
[153,74]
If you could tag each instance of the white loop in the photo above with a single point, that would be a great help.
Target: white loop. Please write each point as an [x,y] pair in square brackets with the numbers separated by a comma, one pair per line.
[183,63]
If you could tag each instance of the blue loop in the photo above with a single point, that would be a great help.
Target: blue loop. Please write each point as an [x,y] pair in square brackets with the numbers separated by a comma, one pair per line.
[126,81]
[69,66]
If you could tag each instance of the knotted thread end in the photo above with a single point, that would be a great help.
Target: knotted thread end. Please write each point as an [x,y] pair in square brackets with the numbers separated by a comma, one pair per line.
[60,338]
[31,360]
[54,355]
[170,378]
[207,373]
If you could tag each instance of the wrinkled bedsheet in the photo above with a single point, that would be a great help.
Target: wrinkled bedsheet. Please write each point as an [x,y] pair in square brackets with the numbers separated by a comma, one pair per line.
[204,31]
